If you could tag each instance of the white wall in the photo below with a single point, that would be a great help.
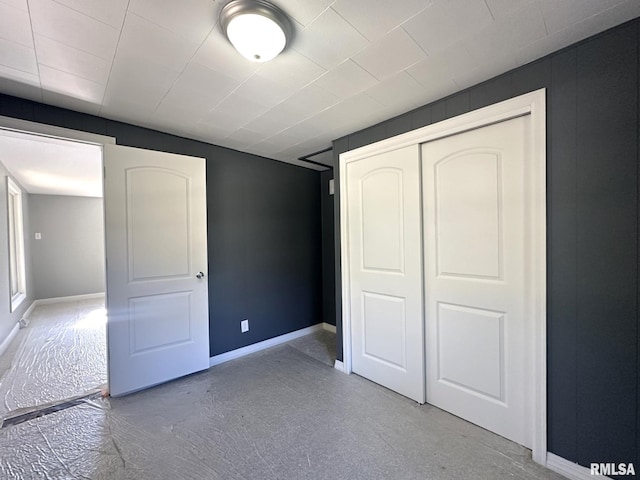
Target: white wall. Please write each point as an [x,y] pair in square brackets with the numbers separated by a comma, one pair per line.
[69,259]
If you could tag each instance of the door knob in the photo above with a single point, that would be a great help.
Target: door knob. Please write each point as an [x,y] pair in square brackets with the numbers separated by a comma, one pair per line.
[200,275]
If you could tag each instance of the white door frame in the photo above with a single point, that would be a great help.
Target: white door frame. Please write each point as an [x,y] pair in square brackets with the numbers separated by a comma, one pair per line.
[534,105]
[33,128]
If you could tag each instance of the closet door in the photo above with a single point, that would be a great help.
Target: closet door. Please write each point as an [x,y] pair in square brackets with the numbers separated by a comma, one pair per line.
[477,254]
[385,266]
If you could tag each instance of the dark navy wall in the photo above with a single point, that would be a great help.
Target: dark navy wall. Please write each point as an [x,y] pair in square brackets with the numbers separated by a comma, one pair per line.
[265,249]
[328,250]
[264,243]
[592,234]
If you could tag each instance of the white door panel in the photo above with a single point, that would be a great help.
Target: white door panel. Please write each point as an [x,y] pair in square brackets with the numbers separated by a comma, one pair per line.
[465,213]
[475,208]
[150,217]
[155,211]
[385,255]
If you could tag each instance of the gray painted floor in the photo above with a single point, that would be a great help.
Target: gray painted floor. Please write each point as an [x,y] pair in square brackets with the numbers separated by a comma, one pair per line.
[320,345]
[279,414]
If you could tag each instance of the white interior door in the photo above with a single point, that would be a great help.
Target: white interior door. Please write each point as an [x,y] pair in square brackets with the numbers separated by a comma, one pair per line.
[385,245]
[156,245]
[477,227]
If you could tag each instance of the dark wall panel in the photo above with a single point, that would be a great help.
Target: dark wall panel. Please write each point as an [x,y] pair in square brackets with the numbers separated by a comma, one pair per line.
[592,236]
[284,289]
[228,289]
[328,250]
[398,125]
[421,117]
[368,136]
[438,112]
[16,108]
[638,283]
[607,362]
[339,146]
[531,76]
[134,136]
[488,93]
[264,229]
[561,256]
[457,104]
[73,120]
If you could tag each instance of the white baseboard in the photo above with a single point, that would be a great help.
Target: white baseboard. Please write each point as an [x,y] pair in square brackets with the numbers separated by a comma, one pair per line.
[7,341]
[71,298]
[256,347]
[571,470]
[339,366]
[24,321]
[328,327]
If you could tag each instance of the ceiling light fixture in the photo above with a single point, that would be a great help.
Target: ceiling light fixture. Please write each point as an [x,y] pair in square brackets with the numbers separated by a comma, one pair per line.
[257,29]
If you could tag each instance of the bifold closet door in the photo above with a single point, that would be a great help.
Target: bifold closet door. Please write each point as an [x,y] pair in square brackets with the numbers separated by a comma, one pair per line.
[385,265]
[476,257]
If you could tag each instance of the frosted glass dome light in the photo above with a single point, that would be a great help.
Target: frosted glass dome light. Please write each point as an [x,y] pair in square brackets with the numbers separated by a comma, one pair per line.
[258,30]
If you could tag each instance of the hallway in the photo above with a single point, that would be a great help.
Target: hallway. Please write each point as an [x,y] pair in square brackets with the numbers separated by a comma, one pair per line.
[62,353]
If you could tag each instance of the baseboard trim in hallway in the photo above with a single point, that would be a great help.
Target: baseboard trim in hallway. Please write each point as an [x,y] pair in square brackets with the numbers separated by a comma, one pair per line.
[71,298]
[7,341]
[26,316]
[272,342]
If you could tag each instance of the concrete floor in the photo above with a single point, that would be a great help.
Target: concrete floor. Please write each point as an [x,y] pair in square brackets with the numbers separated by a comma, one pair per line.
[279,414]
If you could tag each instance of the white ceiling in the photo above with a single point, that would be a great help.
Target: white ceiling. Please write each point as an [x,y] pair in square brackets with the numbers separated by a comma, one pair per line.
[50,166]
[165,64]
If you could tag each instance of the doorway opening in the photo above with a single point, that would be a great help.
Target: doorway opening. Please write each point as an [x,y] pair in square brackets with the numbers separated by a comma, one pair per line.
[60,353]
[157,290]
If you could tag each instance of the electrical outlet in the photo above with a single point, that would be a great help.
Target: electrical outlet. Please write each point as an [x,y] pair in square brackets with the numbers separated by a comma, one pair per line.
[244,326]
[38,236]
